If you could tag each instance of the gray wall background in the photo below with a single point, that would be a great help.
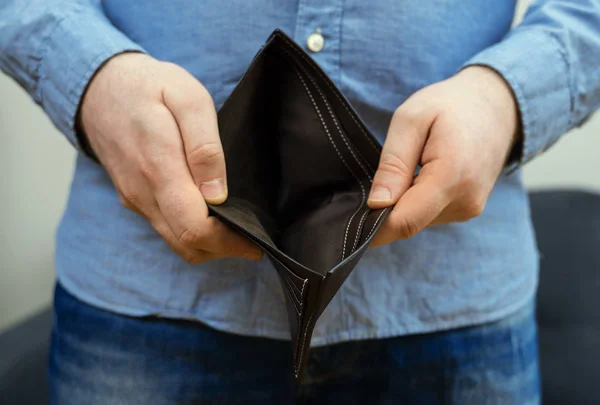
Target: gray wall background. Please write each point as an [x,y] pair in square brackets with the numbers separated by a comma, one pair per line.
[35,169]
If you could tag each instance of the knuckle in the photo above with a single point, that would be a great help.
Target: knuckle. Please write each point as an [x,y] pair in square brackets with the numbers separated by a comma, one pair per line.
[405,228]
[148,172]
[207,155]
[392,164]
[130,200]
[156,154]
[474,206]
[139,120]
[151,118]
[155,157]
[407,118]
[468,191]
[188,237]
[192,236]
[145,117]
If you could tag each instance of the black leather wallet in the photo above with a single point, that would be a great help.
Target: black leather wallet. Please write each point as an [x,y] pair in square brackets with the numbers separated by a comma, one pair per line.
[300,163]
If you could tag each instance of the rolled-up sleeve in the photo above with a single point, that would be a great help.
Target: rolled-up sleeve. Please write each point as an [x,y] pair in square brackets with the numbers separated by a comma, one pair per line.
[53,48]
[550,60]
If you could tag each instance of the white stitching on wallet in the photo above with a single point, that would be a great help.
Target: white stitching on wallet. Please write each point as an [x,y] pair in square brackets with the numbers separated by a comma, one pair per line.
[360,224]
[348,228]
[296,288]
[376,221]
[292,46]
[345,139]
[364,161]
[293,295]
[300,312]
[288,271]
[302,343]
[362,188]
[297,277]
[335,121]
[304,284]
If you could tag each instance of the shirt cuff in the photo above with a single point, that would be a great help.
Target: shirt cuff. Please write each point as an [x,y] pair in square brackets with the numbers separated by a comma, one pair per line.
[79,44]
[535,66]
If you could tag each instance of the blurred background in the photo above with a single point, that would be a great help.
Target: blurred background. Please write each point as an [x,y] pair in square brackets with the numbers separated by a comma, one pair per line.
[35,171]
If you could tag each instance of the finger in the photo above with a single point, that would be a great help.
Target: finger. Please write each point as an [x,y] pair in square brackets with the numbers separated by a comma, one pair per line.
[193,256]
[180,201]
[194,228]
[194,111]
[400,155]
[420,205]
[133,203]
[452,213]
[463,209]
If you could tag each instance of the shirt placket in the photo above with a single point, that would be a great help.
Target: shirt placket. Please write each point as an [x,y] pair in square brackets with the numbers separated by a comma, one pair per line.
[318,31]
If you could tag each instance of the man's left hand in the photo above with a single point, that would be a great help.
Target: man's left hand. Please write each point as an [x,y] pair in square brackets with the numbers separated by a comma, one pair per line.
[460,131]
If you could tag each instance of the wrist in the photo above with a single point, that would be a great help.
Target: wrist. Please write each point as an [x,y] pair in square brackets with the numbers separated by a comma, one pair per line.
[86,106]
[491,87]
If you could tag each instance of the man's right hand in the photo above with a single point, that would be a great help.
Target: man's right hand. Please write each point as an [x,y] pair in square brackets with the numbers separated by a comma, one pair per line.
[154,128]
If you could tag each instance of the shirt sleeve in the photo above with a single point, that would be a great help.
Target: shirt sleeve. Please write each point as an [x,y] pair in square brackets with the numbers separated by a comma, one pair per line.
[53,48]
[551,62]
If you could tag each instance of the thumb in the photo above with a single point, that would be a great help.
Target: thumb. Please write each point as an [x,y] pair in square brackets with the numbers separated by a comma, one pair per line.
[399,157]
[193,108]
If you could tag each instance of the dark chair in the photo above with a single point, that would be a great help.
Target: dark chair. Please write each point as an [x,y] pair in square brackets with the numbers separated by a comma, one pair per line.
[567,225]
[568,230]
[23,360]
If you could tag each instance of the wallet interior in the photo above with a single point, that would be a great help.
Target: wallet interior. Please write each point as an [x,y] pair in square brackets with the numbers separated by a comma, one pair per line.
[299,169]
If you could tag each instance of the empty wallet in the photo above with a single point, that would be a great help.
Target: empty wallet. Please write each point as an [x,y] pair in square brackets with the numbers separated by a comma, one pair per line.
[300,164]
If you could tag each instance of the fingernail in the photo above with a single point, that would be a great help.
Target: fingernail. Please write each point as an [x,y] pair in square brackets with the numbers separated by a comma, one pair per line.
[380,194]
[213,189]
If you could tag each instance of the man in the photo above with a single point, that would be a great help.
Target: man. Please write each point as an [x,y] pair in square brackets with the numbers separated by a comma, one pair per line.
[159,303]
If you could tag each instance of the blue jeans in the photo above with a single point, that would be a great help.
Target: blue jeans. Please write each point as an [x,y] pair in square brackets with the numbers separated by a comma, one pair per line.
[99,357]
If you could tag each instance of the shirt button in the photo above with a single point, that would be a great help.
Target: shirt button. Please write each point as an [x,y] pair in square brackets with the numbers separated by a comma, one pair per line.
[315,41]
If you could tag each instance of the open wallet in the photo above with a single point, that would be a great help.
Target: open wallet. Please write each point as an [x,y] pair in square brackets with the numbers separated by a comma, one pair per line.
[300,163]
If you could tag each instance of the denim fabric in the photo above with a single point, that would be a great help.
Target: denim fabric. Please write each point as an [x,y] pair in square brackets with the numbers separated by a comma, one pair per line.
[99,357]
[378,53]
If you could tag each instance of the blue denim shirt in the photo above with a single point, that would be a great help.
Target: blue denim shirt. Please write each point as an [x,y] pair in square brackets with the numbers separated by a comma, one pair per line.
[378,53]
